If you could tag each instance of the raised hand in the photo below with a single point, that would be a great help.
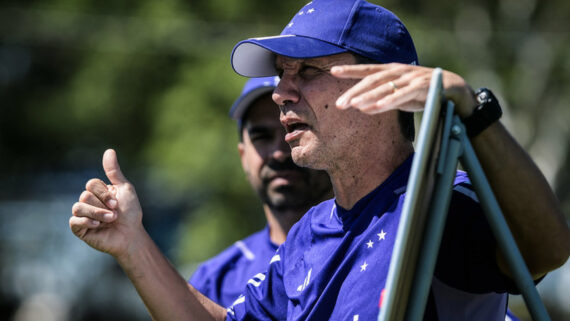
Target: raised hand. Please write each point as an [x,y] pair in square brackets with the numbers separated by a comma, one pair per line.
[384,87]
[108,217]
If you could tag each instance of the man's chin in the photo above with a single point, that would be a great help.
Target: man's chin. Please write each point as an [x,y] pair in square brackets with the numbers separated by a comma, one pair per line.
[286,197]
[297,155]
[305,157]
[282,191]
[280,183]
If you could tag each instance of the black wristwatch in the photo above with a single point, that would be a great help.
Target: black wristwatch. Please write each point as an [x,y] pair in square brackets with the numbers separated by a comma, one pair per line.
[487,112]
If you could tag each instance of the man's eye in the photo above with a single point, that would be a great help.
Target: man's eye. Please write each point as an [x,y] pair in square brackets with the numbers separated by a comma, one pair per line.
[260,137]
[308,72]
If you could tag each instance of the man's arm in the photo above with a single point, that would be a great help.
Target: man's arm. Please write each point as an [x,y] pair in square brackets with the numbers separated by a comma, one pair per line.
[529,205]
[165,293]
[530,208]
[109,219]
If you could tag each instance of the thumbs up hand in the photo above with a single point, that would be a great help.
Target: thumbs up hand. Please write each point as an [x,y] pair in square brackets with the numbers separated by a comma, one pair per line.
[108,217]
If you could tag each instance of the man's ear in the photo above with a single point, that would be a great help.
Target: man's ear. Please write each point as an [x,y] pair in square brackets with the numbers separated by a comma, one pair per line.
[241,151]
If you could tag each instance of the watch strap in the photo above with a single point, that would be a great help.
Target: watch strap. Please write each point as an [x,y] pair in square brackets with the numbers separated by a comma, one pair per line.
[485,113]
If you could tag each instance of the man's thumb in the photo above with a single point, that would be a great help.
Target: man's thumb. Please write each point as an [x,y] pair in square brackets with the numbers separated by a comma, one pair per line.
[112,168]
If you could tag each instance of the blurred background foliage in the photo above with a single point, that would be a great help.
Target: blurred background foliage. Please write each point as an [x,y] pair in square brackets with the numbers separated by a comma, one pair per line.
[152,79]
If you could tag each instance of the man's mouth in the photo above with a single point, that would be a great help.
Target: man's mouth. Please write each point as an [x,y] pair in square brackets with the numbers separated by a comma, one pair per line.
[294,129]
[284,177]
[296,126]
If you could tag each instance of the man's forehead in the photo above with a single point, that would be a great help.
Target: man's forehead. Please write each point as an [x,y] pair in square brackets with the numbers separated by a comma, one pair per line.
[262,110]
[342,58]
[262,124]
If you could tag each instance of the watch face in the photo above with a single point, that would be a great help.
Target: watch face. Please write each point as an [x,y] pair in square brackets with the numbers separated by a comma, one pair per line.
[486,112]
[482,97]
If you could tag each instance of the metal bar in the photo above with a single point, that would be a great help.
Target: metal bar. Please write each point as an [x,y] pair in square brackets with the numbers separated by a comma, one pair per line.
[445,135]
[404,299]
[405,247]
[501,230]
[433,233]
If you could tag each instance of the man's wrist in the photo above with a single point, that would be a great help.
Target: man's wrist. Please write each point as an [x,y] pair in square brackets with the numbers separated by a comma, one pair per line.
[486,112]
[136,248]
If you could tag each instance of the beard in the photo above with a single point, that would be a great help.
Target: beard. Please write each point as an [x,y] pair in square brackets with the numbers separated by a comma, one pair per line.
[307,187]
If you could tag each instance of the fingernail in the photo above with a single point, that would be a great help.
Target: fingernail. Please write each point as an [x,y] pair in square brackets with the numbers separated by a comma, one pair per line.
[109,216]
[356,101]
[336,69]
[112,203]
[95,223]
[342,102]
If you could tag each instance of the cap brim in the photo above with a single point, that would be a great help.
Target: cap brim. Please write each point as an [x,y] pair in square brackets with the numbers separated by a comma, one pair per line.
[255,57]
[241,105]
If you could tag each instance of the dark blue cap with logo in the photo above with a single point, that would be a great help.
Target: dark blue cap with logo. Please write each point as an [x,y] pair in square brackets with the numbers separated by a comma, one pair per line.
[252,90]
[324,28]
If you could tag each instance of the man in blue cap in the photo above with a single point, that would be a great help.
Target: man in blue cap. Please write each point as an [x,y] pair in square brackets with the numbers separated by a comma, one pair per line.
[347,118]
[285,190]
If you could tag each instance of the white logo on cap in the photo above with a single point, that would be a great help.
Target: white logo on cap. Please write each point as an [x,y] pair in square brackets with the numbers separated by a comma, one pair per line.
[276,80]
[272,37]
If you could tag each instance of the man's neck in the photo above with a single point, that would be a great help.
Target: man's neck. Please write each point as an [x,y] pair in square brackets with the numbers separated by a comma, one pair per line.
[356,180]
[280,222]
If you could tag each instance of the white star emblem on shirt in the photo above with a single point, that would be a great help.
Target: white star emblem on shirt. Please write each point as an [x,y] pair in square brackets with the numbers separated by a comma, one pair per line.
[381,235]
[311,10]
[301,13]
[290,25]
[370,244]
[363,266]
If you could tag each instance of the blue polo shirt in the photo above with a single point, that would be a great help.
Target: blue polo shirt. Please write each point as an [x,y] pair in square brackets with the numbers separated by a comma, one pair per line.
[334,263]
[223,277]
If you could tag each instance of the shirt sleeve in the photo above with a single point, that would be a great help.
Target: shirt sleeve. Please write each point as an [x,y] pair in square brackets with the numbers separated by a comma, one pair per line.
[467,256]
[200,280]
[264,297]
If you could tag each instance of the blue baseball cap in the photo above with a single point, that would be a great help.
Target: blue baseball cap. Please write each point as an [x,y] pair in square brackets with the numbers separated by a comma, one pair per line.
[253,89]
[324,28]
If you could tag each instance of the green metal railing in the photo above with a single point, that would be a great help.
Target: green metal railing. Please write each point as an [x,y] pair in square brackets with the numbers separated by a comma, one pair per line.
[442,143]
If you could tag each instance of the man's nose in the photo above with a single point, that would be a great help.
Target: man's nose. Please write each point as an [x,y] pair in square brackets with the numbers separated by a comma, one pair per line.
[282,150]
[286,91]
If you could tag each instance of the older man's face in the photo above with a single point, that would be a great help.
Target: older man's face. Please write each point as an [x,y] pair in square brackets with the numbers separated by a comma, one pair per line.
[317,131]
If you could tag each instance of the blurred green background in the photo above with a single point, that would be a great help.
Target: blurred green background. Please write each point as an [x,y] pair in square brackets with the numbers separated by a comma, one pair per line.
[152,79]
